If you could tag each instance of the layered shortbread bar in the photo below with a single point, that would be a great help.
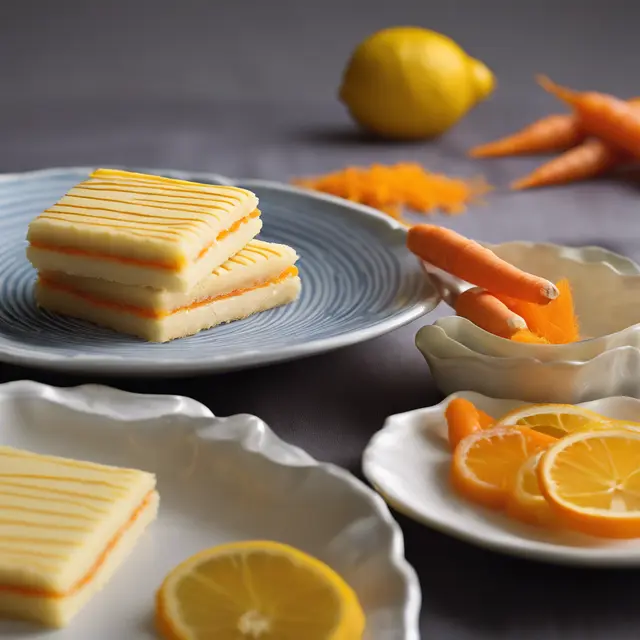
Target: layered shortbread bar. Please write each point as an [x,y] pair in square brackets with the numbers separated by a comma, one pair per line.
[65,526]
[259,277]
[143,230]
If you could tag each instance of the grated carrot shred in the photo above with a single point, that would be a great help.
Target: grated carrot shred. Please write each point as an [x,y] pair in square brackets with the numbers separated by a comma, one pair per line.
[396,188]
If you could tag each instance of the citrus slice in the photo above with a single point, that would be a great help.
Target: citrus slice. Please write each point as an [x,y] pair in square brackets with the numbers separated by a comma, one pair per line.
[592,480]
[525,501]
[486,462]
[554,419]
[259,591]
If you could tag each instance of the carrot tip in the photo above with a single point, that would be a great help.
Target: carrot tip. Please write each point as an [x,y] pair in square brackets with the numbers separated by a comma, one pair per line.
[564,94]
[550,291]
[519,185]
[516,322]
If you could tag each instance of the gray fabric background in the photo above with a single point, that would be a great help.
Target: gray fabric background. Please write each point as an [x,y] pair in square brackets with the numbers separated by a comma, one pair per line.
[248,89]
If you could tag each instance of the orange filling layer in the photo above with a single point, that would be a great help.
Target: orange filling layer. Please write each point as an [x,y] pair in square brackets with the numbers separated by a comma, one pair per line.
[98,564]
[153,313]
[171,266]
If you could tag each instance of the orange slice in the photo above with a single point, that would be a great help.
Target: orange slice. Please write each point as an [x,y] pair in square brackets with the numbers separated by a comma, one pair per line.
[525,501]
[463,419]
[257,591]
[485,463]
[592,480]
[554,419]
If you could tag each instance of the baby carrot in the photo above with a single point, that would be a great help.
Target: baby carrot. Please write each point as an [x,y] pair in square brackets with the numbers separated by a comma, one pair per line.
[489,313]
[590,159]
[553,133]
[466,259]
[610,119]
[463,419]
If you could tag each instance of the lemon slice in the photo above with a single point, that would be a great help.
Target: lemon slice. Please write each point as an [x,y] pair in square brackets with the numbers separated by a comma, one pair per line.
[557,420]
[592,480]
[257,590]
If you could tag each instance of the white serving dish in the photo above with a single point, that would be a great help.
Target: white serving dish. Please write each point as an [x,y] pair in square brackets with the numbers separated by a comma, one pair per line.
[606,289]
[408,462]
[455,367]
[219,479]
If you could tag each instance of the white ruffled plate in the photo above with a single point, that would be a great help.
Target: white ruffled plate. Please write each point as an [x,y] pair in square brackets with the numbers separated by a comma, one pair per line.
[408,462]
[219,479]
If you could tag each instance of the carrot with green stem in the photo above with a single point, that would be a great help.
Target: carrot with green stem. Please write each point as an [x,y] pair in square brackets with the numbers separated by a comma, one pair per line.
[588,160]
[488,313]
[470,261]
[554,133]
[604,116]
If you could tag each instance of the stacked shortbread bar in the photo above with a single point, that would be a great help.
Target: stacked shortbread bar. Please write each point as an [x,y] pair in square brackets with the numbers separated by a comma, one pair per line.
[156,257]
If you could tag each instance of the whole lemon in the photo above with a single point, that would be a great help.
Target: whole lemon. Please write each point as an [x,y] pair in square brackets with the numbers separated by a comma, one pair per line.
[408,82]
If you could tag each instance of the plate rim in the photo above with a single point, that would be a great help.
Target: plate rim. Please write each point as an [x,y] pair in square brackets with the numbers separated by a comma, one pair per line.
[563,556]
[255,437]
[120,366]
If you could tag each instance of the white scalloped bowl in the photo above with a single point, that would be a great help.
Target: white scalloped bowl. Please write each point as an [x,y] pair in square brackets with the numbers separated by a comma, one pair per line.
[606,290]
[219,479]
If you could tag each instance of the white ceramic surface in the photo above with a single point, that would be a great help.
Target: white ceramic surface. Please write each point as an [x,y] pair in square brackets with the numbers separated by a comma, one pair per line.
[408,462]
[219,479]
[606,288]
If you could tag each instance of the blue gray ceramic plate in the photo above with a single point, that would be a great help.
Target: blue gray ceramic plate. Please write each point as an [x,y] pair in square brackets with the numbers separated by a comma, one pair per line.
[358,283]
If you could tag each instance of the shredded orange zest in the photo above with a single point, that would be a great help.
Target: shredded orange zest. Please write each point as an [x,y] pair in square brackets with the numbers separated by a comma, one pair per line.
[392,189]
[554,323]
[528,337]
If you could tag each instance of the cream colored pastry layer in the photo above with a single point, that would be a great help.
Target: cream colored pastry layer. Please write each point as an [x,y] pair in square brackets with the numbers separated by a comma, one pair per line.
[141,217]
[57,516]
[176,325]
[131,274]
[58,612]
[257,263]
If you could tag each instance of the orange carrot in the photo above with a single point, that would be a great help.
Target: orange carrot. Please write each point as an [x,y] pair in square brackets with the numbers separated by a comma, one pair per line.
[553,133]
[489,313]
[466,259]
[555,322]
[463,419]
[590,159]
[556,132]
[610,119]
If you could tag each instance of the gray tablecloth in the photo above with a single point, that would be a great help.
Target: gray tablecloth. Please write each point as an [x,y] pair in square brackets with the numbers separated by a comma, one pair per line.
[248,89]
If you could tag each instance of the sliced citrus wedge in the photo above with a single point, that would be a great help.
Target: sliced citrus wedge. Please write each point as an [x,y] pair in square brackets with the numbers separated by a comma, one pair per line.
[258,591]
[525,501]
[554,419]
[592,480]
[486,462]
